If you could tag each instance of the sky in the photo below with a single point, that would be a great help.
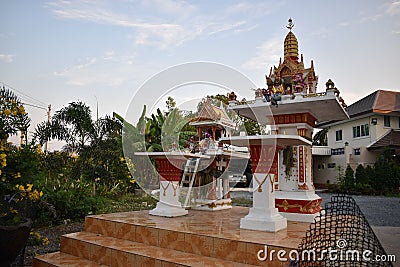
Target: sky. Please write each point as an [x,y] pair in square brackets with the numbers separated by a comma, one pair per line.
[101,52]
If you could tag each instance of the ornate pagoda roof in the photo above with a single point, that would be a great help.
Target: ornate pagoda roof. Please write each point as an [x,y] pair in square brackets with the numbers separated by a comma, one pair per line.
[291,73]
[212,115]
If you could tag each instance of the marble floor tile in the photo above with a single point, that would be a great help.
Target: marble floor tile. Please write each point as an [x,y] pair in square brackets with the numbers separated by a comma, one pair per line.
[201,238]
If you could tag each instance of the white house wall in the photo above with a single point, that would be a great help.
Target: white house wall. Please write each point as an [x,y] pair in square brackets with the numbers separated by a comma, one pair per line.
[323,174]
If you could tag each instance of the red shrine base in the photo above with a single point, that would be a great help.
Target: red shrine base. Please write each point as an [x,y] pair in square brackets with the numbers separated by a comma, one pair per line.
[198,239]
[301,210]
[299,205]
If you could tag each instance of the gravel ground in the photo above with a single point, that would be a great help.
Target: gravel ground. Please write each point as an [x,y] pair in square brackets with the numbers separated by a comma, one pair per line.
[379,211]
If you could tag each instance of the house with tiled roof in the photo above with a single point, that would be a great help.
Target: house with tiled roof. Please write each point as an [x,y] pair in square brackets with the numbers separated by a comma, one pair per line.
[373,126]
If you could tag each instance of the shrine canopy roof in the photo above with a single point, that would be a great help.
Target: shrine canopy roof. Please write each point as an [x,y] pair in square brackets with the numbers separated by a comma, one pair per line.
[211,115]
[171,154]
[277,140]
[323,106]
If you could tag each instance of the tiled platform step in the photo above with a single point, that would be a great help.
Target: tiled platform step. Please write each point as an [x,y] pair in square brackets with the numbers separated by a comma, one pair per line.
[199,238]
[60,259]
[109,251]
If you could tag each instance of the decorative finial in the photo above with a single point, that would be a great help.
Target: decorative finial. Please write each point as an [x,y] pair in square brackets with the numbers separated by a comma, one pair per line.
[290,25]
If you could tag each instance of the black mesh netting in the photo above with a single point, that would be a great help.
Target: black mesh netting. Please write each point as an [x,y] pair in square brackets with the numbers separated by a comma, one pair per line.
[341,236]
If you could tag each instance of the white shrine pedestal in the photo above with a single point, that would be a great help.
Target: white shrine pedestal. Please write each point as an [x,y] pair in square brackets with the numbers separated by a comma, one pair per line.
[264,156]
[169,168]
[263,216]
[169,205]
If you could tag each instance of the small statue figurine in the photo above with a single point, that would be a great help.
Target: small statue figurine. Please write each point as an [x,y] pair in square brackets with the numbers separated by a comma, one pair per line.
[258,93]
[190,145]
[232,96]
[173,147]
[267,94]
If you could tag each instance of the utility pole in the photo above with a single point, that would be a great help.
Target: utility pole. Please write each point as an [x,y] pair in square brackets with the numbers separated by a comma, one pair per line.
[97,108]
[22,137]
[48,123]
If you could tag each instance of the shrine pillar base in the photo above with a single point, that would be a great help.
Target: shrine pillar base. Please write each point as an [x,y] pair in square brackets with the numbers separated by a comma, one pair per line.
[169,205]
[263,216]
[298,206]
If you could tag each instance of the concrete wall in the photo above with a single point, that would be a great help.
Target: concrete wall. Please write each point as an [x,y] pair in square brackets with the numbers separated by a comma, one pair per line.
[323,168]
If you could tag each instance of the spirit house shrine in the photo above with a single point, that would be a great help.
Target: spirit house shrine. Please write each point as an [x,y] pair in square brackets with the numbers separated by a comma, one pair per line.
[291,107]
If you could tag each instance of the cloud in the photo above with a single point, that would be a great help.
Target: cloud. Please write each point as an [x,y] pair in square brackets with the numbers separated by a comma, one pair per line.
[247,29]
[149,27]
[170,7]
[267,54]
[6,58]
[254,9]
[394,8]
[374,17]
[110,69]
[221,27]
[162,33]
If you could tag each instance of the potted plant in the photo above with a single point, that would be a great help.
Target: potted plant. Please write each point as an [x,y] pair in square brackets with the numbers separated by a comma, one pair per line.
[16,212]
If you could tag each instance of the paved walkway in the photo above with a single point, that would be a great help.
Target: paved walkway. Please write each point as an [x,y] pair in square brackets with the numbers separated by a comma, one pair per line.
[382,213]
[390,238]
[379,211]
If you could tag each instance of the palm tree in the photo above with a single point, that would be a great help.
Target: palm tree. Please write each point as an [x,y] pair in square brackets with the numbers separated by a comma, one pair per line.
[174,130]
[133,136]
[153,131]
[321,138]
[74,125]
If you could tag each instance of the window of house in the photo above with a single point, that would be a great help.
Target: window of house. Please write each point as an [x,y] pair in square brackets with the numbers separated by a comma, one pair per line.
[339,135]
[386,121]
[337,151]
[357,151]
[331,165]
[361,130]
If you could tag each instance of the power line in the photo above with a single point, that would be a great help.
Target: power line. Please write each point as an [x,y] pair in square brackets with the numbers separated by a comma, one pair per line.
[25,95]
[31,105]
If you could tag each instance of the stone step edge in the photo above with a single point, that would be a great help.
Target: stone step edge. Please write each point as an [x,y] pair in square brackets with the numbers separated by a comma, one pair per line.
[133,239]
[60,259]
[136,248]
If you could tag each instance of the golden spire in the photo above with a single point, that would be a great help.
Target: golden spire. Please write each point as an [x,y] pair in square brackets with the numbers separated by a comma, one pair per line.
[291,46]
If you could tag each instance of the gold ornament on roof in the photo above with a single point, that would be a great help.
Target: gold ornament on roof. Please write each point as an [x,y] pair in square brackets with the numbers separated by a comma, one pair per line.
[290,25]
